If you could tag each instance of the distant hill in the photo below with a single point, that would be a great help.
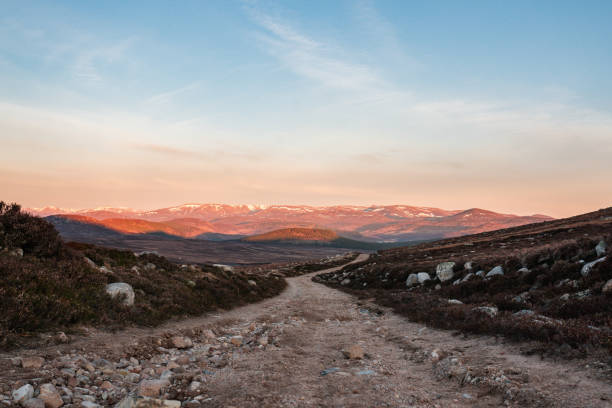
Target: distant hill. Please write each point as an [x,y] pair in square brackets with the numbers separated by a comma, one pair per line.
[296,234]
[390,223]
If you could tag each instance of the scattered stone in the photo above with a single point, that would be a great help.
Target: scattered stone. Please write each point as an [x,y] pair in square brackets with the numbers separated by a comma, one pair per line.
[23,394]
[32,362]
[236,340]
[498,270]
[354,352]
[121,288]
[89,404]
[454,302]
[90,262]
[480,274]
[586,269]
[437,355]
[467,277]
[61,337]
[50,396]
[444,271]
[345,282]
[412,280]
[438,287]
[468,265]
[150,267]
[252,282]
[181,342]
[523,271]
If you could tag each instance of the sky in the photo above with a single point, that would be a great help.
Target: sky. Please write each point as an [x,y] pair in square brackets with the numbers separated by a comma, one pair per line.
[492,104]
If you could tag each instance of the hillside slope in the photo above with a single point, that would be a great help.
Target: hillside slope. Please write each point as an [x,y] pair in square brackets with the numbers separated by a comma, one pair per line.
[549,281]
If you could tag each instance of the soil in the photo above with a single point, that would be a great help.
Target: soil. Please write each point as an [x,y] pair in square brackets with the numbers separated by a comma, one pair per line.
[405,364]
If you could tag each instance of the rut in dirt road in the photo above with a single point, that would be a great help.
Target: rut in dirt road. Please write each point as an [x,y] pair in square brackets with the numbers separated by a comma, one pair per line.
[288,352]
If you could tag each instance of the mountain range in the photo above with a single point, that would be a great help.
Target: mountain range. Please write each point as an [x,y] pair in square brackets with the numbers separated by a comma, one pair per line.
[217,222]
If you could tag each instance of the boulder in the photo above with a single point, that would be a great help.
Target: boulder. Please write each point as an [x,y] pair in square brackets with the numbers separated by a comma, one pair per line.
[121,288]
[412,280]
[23,394]
[32,362]
[354,352]
[586,269]
[422,277]
[50,396]
[444,271]
[607,288]
[498,270]
[601,248]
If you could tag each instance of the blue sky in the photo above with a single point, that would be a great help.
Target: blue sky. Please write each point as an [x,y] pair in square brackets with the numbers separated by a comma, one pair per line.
[503,105]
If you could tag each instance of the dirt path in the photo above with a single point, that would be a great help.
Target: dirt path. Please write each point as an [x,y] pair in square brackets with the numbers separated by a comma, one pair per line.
[289,341]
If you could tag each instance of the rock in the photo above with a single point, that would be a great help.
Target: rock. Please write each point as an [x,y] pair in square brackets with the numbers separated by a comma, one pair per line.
[601,248]
[586,269]
[90,404]
[489,310]
[423,277]
[454,302]
[583,294]
[438,287]
[61,337]
[50,396]
[226,268]
[152,388]
[263,341]
[106,270]
[32,362]
[121,288]
[194,386]
[252,282]
[467,277]
[523,271]
[181,342]
[150,267]
[90,262]
[23,394]
[565,297]
[354,352]
[480,274]
[329,371]
[107,386]
[33,403]
[345,282]
[498,270]
[524,312]
[437,355]
[468,265]
[18,252]
[457,282]
[607,288]
[412,280]
[236,340]
[136,402]
[444,271]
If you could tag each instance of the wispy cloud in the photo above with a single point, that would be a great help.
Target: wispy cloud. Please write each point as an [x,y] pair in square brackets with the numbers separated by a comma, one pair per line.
[313,59]
[89,61]
[168,96]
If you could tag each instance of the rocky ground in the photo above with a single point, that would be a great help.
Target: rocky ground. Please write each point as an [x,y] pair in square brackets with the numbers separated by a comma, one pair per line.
[310,346]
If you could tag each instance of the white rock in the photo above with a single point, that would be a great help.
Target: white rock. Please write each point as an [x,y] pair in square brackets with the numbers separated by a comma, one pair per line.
[586,269]
[523,271]
[607,287]
[468,265]
[454,302]
[480,274]
[491,311]
[423,276]
[498,270]
[345,282]
[444,271]
[467,277]
[601,248]
[412,280]
[23,394]
[121,288]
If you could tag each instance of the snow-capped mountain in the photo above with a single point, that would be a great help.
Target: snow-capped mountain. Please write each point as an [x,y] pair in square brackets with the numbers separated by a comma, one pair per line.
[388,223]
